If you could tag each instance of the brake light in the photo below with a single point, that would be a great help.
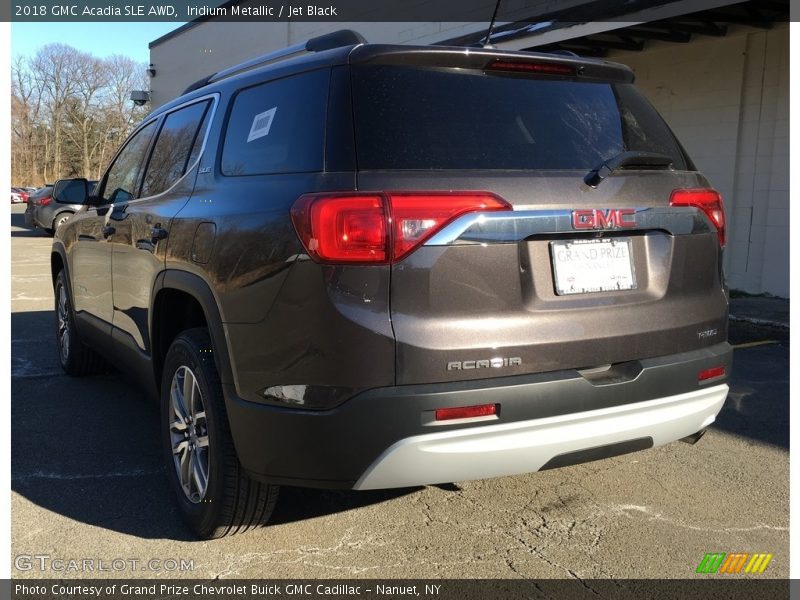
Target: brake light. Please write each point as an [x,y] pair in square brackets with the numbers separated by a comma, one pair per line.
[378,227]
[707,200]
[711,373]
[466,412]
[44,201]
[544,68]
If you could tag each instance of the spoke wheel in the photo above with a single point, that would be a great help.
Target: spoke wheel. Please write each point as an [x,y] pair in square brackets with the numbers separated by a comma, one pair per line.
[62,321]
[76,358]
[189,434]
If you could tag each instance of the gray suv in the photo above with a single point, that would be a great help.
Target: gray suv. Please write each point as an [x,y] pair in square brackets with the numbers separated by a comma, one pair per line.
[361,266]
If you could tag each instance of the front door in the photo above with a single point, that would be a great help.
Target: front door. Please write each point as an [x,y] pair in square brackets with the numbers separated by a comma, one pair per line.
[90,256]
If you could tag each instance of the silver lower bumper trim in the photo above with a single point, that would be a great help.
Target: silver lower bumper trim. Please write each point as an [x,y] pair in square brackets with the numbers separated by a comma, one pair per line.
[522,447]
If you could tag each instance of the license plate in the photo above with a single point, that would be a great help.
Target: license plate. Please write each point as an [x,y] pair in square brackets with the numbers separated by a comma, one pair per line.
[585,266]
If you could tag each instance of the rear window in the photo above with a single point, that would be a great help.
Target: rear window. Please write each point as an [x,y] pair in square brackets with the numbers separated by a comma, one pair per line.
[411,119]
[278,127]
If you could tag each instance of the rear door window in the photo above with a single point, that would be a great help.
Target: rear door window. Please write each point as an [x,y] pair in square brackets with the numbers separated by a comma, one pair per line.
[278,127]
[176,149]
[413,118]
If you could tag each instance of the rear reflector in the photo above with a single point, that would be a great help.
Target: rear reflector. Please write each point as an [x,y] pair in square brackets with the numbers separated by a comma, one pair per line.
[707,200]
[466,412]
[711,373]
[379,227]
[544,68]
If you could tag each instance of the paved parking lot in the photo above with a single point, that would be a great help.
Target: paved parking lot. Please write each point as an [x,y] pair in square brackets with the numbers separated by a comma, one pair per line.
[87,483]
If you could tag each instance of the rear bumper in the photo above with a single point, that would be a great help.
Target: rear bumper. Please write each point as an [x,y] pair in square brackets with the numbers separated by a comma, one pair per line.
[387,438]
[527,446]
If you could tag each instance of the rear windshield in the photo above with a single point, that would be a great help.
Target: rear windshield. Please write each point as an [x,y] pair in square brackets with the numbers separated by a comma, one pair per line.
[412,118]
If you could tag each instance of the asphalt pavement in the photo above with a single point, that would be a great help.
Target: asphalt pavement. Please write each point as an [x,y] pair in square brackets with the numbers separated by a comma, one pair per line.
[88,487]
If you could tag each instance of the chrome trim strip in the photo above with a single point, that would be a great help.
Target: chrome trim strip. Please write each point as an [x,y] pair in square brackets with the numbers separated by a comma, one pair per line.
[514,226]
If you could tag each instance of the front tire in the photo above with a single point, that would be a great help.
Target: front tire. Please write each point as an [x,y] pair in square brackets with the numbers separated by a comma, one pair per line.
[75,358]
[214,494]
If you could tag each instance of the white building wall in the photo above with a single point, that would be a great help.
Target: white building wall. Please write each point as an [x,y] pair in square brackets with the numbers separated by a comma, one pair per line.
[727,99]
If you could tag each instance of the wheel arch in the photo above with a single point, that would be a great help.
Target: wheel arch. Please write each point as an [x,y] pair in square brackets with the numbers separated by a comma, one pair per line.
[58,214]
[176,286]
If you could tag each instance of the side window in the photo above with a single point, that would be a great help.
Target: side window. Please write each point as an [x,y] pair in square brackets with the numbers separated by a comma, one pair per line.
[177,147]
[121,178]
[278,127]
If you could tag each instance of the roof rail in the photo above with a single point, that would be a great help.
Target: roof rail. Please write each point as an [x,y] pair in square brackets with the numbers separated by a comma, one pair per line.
[336,39]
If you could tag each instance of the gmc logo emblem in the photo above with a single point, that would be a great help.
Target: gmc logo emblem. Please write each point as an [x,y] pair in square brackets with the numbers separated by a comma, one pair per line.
[594,218]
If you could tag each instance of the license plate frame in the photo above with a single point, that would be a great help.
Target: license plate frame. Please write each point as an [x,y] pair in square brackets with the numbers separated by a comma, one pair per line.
[589,266]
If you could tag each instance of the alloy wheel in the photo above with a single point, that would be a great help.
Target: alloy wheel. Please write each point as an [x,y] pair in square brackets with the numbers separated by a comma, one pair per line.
[188,431]
[63,324]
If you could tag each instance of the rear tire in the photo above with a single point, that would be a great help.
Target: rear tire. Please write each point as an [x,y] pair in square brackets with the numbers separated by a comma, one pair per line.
[76,359]
[214,494]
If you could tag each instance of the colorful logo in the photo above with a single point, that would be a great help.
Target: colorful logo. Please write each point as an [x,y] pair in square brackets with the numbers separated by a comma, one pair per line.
[735,563]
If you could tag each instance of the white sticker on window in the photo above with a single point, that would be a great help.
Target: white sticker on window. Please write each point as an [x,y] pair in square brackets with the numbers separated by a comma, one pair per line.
[261,124]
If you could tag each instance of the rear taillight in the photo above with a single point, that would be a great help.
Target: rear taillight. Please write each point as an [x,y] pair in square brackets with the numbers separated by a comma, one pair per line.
[544,68]
[707,200]
[378,227]
[43,201]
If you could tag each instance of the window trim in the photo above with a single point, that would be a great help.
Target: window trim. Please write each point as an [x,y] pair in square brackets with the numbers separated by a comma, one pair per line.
[159,119]
[188,168]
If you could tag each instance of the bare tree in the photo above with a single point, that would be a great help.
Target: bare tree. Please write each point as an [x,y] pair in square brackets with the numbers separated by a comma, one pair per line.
[70,111]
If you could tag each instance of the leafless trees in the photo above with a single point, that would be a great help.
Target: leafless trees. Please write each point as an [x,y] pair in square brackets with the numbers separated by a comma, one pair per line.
[69,112]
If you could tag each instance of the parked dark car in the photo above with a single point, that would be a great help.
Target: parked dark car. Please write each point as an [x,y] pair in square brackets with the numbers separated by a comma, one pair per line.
[44,212]
[366,266]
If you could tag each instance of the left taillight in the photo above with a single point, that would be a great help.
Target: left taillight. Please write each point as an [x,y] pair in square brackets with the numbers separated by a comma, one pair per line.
[707,200]
[379,227]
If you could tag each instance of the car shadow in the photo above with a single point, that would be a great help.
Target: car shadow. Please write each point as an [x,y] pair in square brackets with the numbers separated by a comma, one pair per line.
[20,229]
[88,448]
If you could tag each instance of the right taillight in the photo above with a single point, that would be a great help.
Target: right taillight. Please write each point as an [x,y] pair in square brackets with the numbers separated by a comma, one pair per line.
[707,200]
[44,201]
[379,227]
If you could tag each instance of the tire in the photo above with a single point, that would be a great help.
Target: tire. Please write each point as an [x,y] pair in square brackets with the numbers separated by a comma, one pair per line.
[221,500]
[59,220]
[76,359]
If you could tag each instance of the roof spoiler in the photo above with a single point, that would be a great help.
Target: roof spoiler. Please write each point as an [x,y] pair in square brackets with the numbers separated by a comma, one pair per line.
[329,41]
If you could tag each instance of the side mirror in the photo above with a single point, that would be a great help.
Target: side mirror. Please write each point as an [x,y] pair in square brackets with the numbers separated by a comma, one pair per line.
[71,191]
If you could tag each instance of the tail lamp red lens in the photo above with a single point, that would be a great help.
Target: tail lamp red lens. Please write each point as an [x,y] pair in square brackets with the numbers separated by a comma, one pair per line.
[543,68]
[466,412]
[378,227]
[711,373]
[707,200]
[44,201]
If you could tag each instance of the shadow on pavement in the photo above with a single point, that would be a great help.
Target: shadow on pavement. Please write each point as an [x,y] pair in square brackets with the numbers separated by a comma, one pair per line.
[88,448]
[18,220]
[758,403]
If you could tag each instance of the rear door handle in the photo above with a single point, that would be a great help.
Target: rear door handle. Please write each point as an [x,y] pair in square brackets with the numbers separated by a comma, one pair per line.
[108,231]
[158,233]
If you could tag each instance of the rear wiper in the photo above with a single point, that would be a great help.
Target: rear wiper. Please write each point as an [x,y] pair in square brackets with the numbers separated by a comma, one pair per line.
[633,158]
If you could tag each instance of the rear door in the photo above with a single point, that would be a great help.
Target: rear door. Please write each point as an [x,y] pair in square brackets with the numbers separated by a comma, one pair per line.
[141,225]
[571,276]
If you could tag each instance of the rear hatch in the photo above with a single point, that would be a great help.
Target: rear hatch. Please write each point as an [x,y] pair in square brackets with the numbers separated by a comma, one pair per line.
[557,273]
